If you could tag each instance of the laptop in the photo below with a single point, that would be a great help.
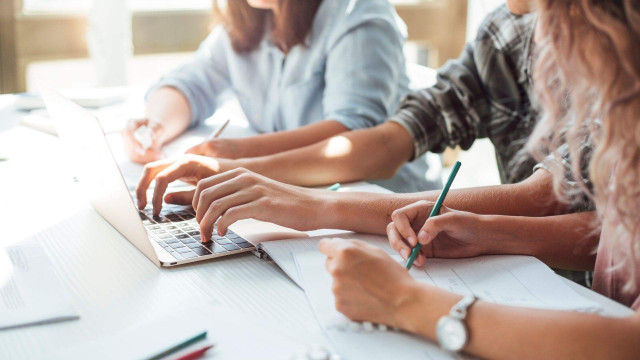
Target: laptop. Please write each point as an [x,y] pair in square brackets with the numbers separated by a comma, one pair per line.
[170,239]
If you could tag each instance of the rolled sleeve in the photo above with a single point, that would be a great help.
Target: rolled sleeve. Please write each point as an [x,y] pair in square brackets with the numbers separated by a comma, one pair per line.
[453,112]
[203,79]
[363,81]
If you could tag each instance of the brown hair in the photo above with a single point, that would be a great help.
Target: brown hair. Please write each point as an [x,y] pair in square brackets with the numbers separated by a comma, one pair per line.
[246,25]
[587,80]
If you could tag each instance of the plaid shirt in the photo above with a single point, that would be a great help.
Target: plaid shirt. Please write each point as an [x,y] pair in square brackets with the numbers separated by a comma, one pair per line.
[487,92]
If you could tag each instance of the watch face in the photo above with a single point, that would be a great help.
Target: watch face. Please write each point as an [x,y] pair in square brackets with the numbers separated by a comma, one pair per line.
[452,334]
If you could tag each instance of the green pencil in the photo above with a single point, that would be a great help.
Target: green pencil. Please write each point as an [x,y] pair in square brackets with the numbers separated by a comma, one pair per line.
[334,187]
[434,212]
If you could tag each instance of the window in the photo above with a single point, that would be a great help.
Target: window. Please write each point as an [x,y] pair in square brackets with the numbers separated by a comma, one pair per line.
[34,6]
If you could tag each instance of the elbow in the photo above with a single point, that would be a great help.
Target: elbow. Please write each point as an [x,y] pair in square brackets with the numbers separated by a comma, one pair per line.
[539,188]
[381,170]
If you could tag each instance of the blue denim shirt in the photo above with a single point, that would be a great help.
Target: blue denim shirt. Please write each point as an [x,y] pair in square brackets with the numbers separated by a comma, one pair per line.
[352,70]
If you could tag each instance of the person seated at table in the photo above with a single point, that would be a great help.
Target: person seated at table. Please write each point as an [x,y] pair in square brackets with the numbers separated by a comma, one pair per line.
[588,81]
[303,71]
[484,93]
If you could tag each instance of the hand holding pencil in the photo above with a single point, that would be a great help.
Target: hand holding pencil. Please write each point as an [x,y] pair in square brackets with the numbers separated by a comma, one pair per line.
[217,147]
[411,220]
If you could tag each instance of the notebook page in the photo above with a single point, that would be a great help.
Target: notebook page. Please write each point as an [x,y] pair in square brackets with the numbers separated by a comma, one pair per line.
[281,251]
[352,340]
[509,280]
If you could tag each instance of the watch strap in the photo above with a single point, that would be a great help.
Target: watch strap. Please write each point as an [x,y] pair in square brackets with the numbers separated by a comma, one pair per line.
[459,310]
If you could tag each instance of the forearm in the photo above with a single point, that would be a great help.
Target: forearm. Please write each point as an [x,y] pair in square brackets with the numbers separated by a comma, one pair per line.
[170,108]
[273,143]
[372,153]
[370,213]
[563,241]
[502,332]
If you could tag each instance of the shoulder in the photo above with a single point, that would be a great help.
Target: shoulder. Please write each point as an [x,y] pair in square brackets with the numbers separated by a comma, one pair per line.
[340,17]
[504,31]
[217,37]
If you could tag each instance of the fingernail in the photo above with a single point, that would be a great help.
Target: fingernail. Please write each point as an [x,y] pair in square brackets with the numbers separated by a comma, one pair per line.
[412,241]
[404,253]
[423,236]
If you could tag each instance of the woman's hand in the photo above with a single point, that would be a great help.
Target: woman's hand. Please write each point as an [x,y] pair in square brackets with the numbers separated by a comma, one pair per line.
[368,284]
[452,234]
[219,148]
[188,168]
[241,194]
[137,151]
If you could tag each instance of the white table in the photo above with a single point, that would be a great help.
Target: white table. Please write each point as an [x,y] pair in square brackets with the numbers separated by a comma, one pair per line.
[112,284]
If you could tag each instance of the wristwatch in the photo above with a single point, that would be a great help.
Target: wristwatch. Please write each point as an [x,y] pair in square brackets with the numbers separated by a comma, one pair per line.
[451,329]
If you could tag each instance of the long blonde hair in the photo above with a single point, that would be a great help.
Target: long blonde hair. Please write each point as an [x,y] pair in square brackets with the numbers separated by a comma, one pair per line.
[587,80]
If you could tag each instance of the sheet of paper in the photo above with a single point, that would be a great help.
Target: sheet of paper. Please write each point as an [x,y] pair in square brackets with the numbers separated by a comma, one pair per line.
[234,336]
[509,280]
[281,251]
[352,340]
[30,293]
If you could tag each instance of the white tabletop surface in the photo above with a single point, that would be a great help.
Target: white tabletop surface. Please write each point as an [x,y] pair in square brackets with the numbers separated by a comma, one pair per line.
[111,283]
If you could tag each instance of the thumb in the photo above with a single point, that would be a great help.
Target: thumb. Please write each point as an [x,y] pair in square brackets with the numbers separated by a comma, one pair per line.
[180,197]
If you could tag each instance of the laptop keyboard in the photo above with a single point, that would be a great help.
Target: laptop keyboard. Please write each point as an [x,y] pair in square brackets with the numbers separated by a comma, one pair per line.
[178,232]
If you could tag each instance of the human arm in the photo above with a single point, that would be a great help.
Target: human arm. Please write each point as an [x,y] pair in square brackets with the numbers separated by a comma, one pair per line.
[367,213]
[363,76]
[370,286]
[167,115]
[563,241]
[183,97]
[269,143]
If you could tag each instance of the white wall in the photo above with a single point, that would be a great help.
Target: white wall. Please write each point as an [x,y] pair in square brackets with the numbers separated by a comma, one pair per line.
[478,9]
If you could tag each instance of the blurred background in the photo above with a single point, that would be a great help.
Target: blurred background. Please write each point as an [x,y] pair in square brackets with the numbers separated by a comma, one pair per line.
[106,43]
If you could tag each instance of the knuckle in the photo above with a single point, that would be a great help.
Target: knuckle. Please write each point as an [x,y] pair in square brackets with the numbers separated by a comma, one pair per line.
[268,203]
[231,213]
[248,178]
[348,253]
[258,188]
[342,306]
[337,287]
[161,180]
[204,195]
[337,272]
[215,205]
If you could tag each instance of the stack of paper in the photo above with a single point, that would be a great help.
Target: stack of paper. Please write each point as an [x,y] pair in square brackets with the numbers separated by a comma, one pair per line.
[509,280]
[30,293]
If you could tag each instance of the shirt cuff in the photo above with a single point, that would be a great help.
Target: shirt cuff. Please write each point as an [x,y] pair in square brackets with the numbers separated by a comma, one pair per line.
[417,132]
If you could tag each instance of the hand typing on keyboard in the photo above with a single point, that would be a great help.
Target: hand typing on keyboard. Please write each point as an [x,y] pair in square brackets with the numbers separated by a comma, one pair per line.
[176,231]
[188,168]
[241,194]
